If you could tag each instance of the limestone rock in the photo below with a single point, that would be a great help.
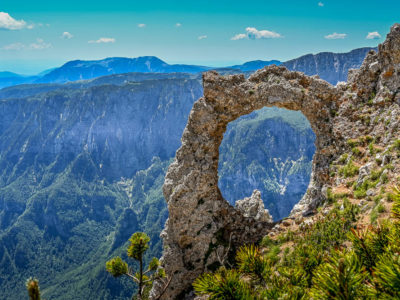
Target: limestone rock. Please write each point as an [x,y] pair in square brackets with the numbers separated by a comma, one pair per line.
[197,211]
[363,173]
[253,207]
[386,159]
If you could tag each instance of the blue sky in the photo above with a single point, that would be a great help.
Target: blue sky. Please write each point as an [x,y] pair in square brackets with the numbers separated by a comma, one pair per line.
[36,35]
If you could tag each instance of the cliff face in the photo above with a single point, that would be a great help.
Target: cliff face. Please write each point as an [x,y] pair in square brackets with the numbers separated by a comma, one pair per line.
[270,150]
[112,124]
[332,67]
[81,169]
[202,226]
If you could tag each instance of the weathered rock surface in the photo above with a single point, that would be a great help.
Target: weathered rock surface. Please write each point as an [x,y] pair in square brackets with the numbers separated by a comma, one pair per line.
[200,220]
[253,207]
[363,173]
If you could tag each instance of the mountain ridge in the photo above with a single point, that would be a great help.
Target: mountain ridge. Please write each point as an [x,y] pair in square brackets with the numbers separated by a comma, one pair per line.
[6,74]
[89,69]
[324,63]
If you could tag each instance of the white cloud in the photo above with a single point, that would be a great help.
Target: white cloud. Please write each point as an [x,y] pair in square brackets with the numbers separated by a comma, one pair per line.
[202,37]
[335,36]
[320,4]
[178,25]
[9,23]
[141,25]
[373,35]
[40,44]
[239,36]
[66,35]
[102,40]
[252,34]
[15,46]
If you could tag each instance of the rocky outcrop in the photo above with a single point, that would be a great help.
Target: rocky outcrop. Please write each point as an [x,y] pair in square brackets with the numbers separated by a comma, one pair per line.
[198,214]
[201,222]
[253,207]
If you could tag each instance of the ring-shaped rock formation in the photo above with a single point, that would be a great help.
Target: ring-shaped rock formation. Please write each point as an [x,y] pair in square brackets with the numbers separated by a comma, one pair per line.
[201,222]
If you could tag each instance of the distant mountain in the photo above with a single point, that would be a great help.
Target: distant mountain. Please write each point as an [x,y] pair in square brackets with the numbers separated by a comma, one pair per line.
[79,69]
[26,90]
[255,65]
[45,72]
[11,79]
[332,67]
[9,74]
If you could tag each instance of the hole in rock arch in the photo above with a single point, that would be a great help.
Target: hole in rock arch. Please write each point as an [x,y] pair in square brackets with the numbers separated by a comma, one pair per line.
[271,150]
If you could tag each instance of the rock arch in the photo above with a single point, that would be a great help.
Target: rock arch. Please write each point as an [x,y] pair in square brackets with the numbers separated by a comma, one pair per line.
[201,221]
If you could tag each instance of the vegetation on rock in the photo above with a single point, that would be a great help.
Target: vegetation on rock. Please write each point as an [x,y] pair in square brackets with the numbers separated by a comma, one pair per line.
[329,259]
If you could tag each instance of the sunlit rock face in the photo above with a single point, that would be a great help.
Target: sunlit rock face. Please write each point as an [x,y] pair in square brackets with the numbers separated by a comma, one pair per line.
[201,222]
